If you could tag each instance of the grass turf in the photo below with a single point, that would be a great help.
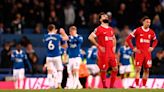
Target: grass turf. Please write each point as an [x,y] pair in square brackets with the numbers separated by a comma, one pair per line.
[88,90]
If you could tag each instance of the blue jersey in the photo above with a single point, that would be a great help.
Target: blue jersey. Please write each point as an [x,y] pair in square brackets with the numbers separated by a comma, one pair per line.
[74,45]
[52,43]
[125,55]
[18,58]
[92,55]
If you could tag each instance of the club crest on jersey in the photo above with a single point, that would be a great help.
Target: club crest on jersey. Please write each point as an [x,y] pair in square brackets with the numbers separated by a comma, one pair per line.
[141,35]
[149,36]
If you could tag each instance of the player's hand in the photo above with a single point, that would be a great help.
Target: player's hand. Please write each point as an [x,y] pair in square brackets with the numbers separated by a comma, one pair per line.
[150,49]
[136,50]
[62,31]
[44,69]
[102,49]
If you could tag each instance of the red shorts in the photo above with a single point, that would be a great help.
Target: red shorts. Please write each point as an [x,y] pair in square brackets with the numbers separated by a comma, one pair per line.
[143,59]
[104,62]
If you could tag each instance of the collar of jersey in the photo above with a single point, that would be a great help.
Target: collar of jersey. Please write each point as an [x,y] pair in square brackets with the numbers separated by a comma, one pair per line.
[145,30]
[19,52]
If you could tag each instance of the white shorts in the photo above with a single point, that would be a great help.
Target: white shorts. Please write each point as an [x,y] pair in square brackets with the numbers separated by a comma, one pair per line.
[18,73]
[93,68]
[73,63]
[125,68]
[54,63]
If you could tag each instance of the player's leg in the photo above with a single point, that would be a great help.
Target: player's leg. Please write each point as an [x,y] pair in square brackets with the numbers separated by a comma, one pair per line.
[127,75]
[122,74]
[59,67]
[76,67]
[147,65]
[69,83]
[113,64]
[103,65]
[96,71]
[15,76]
[50,71]
[90,77]
[128,70]
[122,71]
[138,65]
[21,77]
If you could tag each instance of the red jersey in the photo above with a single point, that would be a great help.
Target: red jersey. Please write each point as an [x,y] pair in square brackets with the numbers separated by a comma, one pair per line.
[105,38]
[143,38]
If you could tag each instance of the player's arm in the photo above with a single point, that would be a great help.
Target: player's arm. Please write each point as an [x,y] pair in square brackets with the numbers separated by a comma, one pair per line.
[64,44]
[154,43]
[79,39]
[114,43]
[63,34]
[118,57]
[129,41]
[92,38]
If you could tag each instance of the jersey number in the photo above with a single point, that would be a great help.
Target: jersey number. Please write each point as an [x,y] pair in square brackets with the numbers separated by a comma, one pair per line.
[51,46]
[89,54]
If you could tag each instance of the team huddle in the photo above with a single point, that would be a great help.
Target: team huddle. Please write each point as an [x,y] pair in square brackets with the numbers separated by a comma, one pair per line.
[100,56]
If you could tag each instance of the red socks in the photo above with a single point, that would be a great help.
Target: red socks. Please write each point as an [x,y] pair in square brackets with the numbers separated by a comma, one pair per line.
[103,77]
[144,82]
[137,82]
[113,78]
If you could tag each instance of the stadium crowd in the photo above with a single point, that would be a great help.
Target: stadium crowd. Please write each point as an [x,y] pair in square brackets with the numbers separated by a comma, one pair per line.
[124,16]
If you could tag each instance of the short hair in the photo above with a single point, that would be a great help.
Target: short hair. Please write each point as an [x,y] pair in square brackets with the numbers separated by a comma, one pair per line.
[51,27]
[72,28]
[144,18]
[100,14]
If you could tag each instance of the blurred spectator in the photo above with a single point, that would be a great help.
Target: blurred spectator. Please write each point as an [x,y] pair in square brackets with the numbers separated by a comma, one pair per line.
[69,14]
[5,56]
[80,18]
[32,56]
[124,33]
[156,24]
[60,15]
[121,16]
[97,6]
[53,19]
[93,21]
[112,21]
[24,41]
[161,39]
[38,28]
[2,29]
[158,63]
[117,34]
[17,24]
[160,11]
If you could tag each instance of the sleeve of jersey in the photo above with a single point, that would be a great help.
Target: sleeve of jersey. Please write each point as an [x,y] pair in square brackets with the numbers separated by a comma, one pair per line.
[155,41]
[129,38]
[80,39]
[96,32]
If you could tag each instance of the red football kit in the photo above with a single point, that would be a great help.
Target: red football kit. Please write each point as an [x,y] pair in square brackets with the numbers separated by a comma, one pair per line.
[143,38]
[105,39]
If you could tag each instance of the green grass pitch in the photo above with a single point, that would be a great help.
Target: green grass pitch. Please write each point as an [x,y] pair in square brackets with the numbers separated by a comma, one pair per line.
[88,90]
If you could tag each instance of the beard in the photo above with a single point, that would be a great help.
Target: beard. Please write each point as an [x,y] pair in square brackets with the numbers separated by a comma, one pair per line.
[106,21]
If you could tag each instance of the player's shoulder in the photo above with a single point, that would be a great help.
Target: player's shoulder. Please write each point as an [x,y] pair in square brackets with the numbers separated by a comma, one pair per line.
[79,36]
[13,51]
[121,48]
[97,29]
[151,31]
